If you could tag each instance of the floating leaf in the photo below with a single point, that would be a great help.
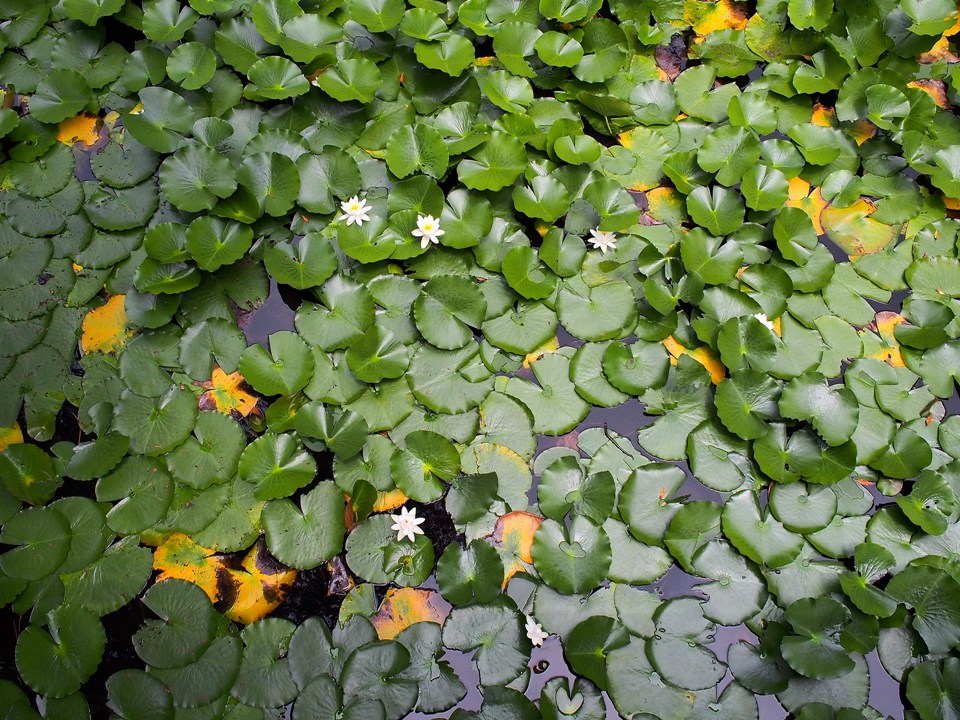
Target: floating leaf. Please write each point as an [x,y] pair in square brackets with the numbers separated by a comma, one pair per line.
[105,327]
[225,394]
[403,607]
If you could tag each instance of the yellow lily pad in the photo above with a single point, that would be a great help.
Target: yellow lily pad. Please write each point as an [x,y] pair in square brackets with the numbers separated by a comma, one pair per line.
[105,328]
[403,607]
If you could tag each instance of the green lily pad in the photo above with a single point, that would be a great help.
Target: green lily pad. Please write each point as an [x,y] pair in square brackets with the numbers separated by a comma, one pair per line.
[495,631]
[277,465]
[306,538]
[678,653]
[144,489]
[57,661]
[756,534]
[41,539]
[571,559]
[470,575]
[555,404]
[447,309]
[284,370]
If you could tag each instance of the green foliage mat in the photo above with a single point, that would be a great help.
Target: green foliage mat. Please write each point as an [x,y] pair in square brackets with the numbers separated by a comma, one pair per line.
[491,223]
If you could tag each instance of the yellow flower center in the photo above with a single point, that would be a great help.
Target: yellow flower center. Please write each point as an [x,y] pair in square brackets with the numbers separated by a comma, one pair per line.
[427,227]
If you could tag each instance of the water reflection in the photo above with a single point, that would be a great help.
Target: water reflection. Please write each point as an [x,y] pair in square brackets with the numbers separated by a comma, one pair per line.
[274,315]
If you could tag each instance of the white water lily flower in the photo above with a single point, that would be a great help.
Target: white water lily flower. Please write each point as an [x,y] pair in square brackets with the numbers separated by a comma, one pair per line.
[765,321]
[535,631]
[355,211]
[428,230]
[407,524]
[603,240]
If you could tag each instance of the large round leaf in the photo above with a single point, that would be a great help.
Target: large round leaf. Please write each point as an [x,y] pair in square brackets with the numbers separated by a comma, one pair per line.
[447,308]
[572,559]
[555,404]
[195,176]
[277,464]
[156,425]
[58,662]
[495,631]
[284,370]
[677,650]
[309,536]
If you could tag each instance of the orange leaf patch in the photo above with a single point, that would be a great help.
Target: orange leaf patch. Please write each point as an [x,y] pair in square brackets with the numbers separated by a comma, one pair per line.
[890,351]
[260,587]
[180,557]
[81,128]
[702,355]
[823,116]
[707,17]
[10,436]
[226,394]
[389,500]
[935,89]
[403,607]
[105,327]
[244,594]
[812,203]
[513,538]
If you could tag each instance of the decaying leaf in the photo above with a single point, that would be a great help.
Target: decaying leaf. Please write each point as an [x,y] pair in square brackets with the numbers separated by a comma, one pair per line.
[708,17]
[227,394]
[402,607]
[551,345]
[884,324]
[12,435]
[82,128]
[244,590]
[854,231]
[105,328]
[702,355]
[513,538]
[812,203]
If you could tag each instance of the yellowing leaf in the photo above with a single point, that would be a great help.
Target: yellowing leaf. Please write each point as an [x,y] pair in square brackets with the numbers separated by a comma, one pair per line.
[935,89]
[226,394]
[939,51]
[105,327]
[665,203]
[626,139]
[812,203]
[889,351]
[551,345]
[243,594]
[81,128]
[862,131]
[707,17]
[854,231]
[403,607]
[798,188]
[513,538]
[389,500]
[180,557]
[12,435]
[951,203]
[824,116]
[702,355]
[260,590]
